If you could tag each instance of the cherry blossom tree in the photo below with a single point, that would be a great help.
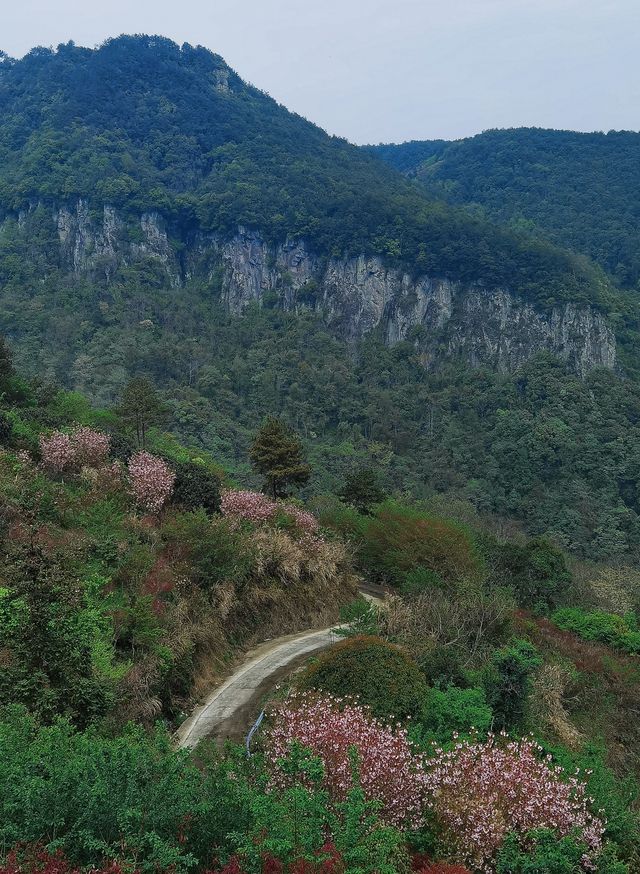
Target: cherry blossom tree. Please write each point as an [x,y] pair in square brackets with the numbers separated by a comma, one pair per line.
[330,727]
[481,791]
[151,481]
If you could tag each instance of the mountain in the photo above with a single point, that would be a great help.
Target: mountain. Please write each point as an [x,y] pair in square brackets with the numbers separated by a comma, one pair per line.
[579,190]
[161,217]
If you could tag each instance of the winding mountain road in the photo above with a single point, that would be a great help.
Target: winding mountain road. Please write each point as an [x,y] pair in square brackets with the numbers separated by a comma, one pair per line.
[231,708]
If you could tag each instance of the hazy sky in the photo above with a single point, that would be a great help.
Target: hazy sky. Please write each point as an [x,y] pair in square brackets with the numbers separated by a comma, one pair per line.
[389,70]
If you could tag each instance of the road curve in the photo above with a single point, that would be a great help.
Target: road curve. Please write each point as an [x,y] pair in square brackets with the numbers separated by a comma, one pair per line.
[262,667]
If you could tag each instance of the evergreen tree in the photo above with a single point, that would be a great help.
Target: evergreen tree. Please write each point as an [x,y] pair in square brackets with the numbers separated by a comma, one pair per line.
[276,453]
[362,490]
[140,408]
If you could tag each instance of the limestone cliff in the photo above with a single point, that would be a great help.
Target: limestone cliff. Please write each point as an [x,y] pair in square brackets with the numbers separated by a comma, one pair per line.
[488,326]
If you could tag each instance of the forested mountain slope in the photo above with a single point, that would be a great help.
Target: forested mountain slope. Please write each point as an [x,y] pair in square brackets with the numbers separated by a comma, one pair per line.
[149,197]
[580,190]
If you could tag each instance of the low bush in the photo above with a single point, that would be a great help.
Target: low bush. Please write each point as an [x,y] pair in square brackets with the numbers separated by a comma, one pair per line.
[449,710]
[337,731]
[507,681]
[620,632]
[383,677]
[479,792]
[195,486]
[398,540]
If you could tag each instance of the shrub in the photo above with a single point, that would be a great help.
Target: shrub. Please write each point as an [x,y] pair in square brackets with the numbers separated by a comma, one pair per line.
[90,447]
[544,851]
[398,540]
[6,429]
[480,792]
[620,632]
[215,550]
[419,580]
[536,571]
[84,446]
[384,678]
[389,772]
[56,451]
[453,710]
[151,481]
[507,680]
[195,487]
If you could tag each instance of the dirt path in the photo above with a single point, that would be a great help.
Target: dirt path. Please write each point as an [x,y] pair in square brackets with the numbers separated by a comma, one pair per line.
[231,708]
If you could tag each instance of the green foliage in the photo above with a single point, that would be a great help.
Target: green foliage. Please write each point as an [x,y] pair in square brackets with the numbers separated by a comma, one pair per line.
[399,539]
[545,854]
[362,490]
[130,796]
[579,190]
[276,453]
[214,548]
[536,571]
[140,408]
[620,632]
[52,637]
[383,676]
[506,680]
[195,486]
[450,710]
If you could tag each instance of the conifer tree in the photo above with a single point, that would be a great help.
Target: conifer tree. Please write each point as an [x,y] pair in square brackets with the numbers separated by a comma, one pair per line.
[277,454]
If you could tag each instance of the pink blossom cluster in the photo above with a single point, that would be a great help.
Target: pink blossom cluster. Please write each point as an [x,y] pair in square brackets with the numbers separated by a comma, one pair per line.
[480,791]
[60,451]
[330,727]
[151,481]
[57,451]
[256,507]
[91,447]
[252,506]
[305,520]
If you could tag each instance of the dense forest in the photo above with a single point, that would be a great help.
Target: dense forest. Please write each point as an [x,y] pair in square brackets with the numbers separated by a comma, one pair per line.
[131,124]
[143,124]
[579,190]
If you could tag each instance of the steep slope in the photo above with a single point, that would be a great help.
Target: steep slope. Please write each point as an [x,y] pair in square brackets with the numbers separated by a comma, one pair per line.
[578,190]
[142,148]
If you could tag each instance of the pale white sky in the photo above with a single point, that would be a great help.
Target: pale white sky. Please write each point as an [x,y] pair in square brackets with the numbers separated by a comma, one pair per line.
[389,70]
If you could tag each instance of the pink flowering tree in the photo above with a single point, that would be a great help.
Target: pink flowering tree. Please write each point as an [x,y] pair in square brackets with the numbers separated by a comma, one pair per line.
[251,506]
[91,447]
[56,451]
[151,481]
[480,791]
[330,727]
[305,521]
[84,446]
[256,507]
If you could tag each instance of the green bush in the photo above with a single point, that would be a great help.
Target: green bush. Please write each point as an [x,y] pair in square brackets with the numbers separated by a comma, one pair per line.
[399,539]
[536,571]
[382,675]
[215,550]
[546,853]
[620,632]
[418,580]
[195,486]
[450,710]
[506,680]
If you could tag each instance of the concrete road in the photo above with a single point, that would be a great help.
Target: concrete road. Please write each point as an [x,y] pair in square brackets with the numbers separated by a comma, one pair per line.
[231,708]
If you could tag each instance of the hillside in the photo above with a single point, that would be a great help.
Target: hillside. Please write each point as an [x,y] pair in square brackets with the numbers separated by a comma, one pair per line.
[132,580]
[160,217]
[579,190]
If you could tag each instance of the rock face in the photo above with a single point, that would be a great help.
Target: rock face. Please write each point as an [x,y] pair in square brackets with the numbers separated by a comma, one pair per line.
[444,319]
